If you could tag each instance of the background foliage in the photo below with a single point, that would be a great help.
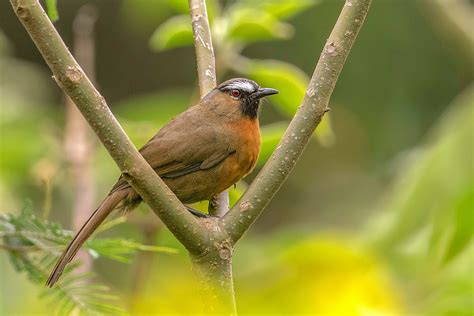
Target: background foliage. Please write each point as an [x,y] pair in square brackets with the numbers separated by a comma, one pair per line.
[375,219]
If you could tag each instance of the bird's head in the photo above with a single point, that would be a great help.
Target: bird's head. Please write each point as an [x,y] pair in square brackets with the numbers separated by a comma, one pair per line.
[244,93]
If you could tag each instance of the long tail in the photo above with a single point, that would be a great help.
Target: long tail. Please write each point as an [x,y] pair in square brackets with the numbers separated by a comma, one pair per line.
[99,215]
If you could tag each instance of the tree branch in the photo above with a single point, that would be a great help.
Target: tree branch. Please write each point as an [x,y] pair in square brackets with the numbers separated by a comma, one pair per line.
[206,64]
[307,118]
[71,78]
[206,68]
[214,269]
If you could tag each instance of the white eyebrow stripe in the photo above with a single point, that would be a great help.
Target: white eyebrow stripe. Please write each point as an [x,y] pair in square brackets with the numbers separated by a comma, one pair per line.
[242,85]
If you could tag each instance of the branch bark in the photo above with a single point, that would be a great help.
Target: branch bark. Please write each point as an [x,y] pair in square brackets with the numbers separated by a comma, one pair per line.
[206,64]
[72,79]
[206,68]
[214,268]
[315,104]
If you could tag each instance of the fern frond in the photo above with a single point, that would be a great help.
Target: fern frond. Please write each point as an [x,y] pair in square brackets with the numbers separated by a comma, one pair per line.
[34,245]
[122,249]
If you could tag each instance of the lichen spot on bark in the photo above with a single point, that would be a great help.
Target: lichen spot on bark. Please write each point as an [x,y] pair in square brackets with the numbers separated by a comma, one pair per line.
[73,74]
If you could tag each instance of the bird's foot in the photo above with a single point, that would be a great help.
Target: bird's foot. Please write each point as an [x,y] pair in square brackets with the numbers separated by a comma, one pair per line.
[196,212]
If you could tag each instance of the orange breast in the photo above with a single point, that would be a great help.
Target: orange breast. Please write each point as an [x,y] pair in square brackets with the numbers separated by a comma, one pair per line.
[247,144]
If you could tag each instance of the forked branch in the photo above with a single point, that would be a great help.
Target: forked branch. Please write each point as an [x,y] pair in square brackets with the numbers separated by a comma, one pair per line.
[315,104]
[195,234]
[215,267]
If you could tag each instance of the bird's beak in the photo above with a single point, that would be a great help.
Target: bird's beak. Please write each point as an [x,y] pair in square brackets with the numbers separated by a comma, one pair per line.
[263,92]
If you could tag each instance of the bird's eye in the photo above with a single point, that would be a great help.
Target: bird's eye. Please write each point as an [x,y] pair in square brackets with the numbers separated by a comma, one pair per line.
[235,93]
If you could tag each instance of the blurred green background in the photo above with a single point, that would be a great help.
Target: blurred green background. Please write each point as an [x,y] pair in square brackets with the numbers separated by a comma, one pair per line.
[377,217]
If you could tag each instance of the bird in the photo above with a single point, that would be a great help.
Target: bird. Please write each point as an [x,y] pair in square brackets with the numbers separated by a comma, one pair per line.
[198,154]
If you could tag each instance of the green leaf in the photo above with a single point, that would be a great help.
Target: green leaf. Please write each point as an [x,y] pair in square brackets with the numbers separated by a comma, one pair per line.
[182,6]
[433,195]
[284,9]
[246,24]
[110,223]
[286,78]
[121,249]
[52,9]
[174,32]
[291,82]
[463,227]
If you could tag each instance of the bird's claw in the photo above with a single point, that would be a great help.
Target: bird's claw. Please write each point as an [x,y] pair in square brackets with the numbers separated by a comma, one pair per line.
[196,212]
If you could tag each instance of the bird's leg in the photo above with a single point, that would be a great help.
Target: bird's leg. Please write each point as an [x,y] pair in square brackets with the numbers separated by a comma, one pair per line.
[196,212]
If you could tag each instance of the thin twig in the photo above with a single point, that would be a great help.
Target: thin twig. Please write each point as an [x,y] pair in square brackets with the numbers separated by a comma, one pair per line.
[214,271]
[72,79]
[315,104]
[206,63]
[206,68]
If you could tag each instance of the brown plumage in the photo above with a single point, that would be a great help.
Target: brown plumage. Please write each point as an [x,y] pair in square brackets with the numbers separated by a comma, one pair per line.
[198,154]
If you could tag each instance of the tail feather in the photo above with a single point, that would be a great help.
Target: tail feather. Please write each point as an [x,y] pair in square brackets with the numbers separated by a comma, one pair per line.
[99,215]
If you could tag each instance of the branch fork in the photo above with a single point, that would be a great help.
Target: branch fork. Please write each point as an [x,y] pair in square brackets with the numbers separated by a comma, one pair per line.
[210,241]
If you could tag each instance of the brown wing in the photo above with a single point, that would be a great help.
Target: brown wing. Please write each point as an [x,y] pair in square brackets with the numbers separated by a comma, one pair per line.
[183,146]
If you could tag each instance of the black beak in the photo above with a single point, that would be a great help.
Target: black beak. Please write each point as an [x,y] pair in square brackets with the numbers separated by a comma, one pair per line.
[263,92]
